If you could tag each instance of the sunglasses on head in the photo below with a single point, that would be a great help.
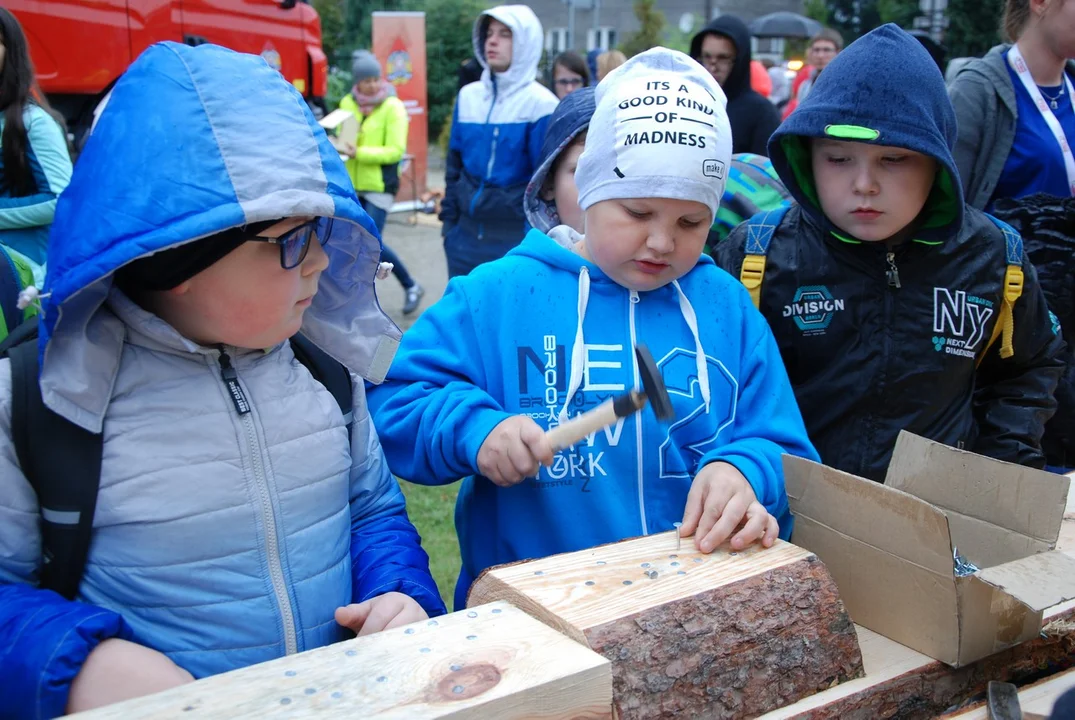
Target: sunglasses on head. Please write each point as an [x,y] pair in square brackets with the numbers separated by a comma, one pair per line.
[295,243]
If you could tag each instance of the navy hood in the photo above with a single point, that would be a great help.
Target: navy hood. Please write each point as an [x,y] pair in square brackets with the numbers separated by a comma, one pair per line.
[174,158]
[735,30]
[571,117]
[884,89]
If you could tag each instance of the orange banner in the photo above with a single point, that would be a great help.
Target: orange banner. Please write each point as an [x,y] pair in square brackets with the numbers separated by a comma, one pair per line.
[399,42]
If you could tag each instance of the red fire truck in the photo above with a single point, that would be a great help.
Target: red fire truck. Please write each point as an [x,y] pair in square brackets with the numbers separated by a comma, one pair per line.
[81,47]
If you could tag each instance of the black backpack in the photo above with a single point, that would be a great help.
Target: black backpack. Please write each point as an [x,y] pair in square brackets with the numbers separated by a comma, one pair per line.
[62,461]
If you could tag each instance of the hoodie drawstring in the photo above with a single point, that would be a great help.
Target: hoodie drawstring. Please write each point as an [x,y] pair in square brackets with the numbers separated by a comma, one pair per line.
[578,351]
[687,309]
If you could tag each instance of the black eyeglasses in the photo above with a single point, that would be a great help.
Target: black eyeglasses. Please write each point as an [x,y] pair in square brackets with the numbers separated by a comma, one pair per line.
[569,82]
[295,243]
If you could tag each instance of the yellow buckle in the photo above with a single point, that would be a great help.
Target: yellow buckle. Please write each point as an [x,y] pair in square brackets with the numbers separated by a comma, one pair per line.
[1013,284]
[753,271]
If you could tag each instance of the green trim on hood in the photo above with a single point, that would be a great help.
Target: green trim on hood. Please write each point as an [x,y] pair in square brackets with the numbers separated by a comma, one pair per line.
[852,132]
[941,208]
[797,150]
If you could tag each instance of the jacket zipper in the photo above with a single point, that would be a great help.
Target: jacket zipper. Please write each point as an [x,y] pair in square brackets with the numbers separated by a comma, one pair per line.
[276,569]
[892,276]
[492,158]
[893,272]
[638,416]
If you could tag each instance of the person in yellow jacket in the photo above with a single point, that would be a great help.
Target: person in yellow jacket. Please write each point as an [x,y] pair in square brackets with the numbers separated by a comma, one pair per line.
[374,159]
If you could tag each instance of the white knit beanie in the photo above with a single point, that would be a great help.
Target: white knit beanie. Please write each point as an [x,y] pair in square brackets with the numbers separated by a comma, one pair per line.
[660,130]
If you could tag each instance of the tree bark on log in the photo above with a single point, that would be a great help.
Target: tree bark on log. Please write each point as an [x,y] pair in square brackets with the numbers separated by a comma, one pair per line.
[727,635]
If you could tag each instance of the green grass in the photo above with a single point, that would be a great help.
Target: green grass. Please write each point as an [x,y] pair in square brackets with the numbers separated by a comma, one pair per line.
[432,510]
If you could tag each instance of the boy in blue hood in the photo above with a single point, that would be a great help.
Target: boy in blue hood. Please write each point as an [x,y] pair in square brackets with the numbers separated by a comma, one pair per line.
[239,517]
[896,306]
[548,332]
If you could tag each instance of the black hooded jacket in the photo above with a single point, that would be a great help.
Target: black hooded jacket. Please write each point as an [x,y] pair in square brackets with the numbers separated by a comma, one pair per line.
[869,353]
[753,118]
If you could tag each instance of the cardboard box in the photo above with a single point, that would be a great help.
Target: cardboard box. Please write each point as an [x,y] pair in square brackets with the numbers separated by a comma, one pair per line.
[890,547]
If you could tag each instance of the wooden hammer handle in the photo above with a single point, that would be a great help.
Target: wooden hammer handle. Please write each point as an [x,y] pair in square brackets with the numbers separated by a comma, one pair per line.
[590,421]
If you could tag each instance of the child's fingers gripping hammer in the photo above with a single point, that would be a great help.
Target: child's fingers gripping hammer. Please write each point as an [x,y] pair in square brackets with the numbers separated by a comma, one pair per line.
[514,450]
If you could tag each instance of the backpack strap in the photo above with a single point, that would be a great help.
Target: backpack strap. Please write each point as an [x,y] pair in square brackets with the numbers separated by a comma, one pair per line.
[329,372]
[760,231]
[66,482]
[1011,292]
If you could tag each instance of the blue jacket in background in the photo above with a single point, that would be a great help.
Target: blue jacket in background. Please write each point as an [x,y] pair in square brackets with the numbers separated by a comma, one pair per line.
[220,538]
[497,131]
[509,340]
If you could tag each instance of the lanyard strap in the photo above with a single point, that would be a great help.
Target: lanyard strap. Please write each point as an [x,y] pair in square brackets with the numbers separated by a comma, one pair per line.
[1015,59]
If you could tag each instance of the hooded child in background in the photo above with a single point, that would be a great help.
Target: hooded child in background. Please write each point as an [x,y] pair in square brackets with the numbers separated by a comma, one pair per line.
[552,197]
[497,131]
[895,304]
[525,343]
[240,516]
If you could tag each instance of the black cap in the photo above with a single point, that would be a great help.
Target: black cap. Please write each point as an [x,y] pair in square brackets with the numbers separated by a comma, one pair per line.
[167,269]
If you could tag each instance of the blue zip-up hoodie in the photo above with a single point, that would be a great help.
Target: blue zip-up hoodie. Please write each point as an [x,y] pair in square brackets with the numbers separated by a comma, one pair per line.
[543,331]
[220,538]
[497,131]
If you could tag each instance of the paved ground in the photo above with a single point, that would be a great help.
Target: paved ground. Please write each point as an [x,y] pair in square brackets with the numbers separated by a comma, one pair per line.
[417,241]
[422,251]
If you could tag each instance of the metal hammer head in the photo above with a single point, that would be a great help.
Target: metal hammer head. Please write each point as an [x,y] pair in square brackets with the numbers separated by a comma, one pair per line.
[653,384]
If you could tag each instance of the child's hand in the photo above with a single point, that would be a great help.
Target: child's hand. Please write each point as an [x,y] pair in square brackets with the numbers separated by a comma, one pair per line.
[119,670]
[380,613]
[719,501]
[513,451]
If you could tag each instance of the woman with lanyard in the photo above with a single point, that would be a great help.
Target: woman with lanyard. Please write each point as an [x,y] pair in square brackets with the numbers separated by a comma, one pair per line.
[1015,108]
[1015,111]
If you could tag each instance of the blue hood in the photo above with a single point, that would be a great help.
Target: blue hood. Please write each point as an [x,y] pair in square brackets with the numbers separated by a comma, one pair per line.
[887,82]
[194,141]
[572,116]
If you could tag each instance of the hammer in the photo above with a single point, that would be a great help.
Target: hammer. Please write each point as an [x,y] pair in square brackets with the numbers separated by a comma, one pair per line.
[1003,703]
[605,414]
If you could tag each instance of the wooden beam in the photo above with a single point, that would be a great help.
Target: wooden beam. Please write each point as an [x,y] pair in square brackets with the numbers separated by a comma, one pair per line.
[903,683]
[692,635]
[1038,698]
[489,662]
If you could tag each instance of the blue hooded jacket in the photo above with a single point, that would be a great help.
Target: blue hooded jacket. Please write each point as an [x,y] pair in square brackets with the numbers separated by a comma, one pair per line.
[497,131]
[571,118]
[881,337]
[546,334]
[251,564]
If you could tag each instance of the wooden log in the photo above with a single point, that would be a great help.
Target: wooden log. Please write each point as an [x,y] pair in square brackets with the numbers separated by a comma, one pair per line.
[492,661]
[902,683]
[726,635]
[1038,698]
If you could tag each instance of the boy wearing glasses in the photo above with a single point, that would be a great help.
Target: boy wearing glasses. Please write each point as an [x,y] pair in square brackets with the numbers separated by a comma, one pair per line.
[240,516]
[723,48]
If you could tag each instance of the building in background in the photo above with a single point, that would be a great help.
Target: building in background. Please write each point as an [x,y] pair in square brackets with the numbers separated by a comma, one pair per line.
[585,25]
[934,18]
